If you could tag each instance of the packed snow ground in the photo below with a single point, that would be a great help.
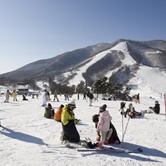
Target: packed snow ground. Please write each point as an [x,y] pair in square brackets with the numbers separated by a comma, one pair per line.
[25,132]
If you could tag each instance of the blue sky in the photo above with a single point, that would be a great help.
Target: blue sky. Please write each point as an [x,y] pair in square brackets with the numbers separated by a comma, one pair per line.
[32,30]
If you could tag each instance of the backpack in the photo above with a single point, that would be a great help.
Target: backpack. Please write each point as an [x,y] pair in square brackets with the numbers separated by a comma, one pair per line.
[95,118]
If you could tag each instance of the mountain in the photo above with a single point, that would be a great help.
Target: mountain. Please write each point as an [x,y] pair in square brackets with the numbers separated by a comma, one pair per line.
[120,61]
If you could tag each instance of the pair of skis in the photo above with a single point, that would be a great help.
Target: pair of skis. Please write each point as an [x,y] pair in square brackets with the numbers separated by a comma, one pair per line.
[111,149]
[84,147]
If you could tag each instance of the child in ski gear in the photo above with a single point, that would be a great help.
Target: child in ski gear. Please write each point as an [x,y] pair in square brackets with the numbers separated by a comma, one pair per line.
[114,136]
[49,111]
[155,109]
[70,132]
[103,125]
[132,113]
[57,115]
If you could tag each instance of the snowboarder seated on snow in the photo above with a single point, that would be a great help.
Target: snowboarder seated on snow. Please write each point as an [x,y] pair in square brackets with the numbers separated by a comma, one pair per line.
[111,135]
[132,113]
[23,97]
[57,115]
[70,132]
[155,109]
[49,112]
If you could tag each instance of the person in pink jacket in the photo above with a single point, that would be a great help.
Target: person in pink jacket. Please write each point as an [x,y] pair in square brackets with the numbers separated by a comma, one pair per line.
[103,126]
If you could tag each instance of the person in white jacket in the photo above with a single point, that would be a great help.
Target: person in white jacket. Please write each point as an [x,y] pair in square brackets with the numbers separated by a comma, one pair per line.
[44,98]
[103,126]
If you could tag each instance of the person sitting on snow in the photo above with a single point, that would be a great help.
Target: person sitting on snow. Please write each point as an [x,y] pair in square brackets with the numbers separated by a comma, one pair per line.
[23,97]
[155,109]
[57,115]
[49,111]
[132,113]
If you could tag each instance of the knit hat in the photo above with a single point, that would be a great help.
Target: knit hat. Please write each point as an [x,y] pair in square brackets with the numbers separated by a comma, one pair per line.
[103,108]
[61,106]
[95,118]
[72,103]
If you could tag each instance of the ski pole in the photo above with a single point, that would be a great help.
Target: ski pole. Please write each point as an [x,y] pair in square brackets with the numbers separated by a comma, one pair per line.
[165,104]
[122,127]
[125,129]
[122,113]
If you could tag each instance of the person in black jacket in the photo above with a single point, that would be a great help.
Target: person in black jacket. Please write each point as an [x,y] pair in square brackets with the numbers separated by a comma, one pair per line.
[155,109]
[90,96]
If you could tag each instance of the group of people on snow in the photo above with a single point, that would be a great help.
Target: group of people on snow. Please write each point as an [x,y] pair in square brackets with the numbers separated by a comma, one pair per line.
[66,116]
[8,94]
[14,95]
[132,113]
[106,132]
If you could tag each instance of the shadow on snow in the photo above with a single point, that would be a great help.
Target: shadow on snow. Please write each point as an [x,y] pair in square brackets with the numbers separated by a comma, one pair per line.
[21,136]
[143,156]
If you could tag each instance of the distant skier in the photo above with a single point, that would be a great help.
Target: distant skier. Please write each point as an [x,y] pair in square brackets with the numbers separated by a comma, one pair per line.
[7,96]
[14,95]
[44,98]
[56,96]
[90,96]
[137,98]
